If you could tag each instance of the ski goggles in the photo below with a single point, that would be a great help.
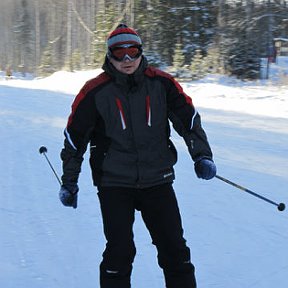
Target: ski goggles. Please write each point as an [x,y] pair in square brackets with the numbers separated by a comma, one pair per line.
[130,53]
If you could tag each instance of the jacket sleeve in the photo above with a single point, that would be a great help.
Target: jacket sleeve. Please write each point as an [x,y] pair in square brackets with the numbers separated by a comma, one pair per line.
[81,121]
[187,121]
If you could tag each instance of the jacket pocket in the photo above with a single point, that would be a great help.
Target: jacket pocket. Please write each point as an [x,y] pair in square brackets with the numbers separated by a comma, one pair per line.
[172,148]
[96,160]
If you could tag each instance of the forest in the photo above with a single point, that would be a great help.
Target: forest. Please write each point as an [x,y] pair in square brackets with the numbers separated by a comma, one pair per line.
[187,37]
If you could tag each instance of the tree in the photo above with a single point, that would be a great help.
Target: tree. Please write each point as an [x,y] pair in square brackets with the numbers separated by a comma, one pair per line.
[239,48]
[178,57]
[242,31]
[24,38]
[197,67]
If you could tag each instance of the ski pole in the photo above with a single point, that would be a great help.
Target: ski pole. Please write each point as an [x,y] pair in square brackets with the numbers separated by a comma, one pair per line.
[43,150]
[280,206]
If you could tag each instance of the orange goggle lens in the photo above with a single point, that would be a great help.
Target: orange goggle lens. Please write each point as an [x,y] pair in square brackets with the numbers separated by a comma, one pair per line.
[120,53]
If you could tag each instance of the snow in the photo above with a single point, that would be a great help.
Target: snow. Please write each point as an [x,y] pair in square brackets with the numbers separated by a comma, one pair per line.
[237,240]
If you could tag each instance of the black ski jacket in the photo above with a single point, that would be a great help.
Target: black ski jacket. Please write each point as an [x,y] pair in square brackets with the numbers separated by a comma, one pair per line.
[125,118]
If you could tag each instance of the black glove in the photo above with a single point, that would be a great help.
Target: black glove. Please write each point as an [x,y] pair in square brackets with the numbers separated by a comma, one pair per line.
[205,169]
[68,195]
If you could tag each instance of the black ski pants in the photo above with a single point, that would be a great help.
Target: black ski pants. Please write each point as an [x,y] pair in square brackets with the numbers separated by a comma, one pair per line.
[160,212]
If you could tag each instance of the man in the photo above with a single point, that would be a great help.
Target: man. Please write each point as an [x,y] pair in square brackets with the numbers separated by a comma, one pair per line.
[123,113]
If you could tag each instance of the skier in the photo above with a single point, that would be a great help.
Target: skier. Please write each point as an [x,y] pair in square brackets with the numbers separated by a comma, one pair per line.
[123,113]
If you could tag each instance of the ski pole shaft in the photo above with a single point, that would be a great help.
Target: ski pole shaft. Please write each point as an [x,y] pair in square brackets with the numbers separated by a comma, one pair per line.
[43,150]
[280,206]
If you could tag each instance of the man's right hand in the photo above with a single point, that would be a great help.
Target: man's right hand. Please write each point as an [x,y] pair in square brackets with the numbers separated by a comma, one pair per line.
[69,197]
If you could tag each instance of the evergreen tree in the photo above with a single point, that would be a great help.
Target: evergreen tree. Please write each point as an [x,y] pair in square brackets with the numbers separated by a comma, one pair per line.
[46,66]
[212,60]
[77,60]
[197,68]
[178,68]
[24,37]
[178,57]
[104,23]
[242,29]
[241,55]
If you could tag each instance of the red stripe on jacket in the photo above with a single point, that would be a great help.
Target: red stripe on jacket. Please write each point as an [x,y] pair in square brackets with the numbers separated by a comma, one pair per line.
[121,111]
[154,72]
[91,84]
[148,110]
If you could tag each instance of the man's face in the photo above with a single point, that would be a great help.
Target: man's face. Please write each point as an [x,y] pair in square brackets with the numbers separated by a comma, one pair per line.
[126,58]
[126,66]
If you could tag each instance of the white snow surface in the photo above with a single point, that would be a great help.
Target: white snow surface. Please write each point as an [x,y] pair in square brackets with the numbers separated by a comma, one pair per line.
[236,239]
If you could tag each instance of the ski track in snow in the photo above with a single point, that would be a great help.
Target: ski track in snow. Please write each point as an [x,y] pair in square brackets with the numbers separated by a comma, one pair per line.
[237,240]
